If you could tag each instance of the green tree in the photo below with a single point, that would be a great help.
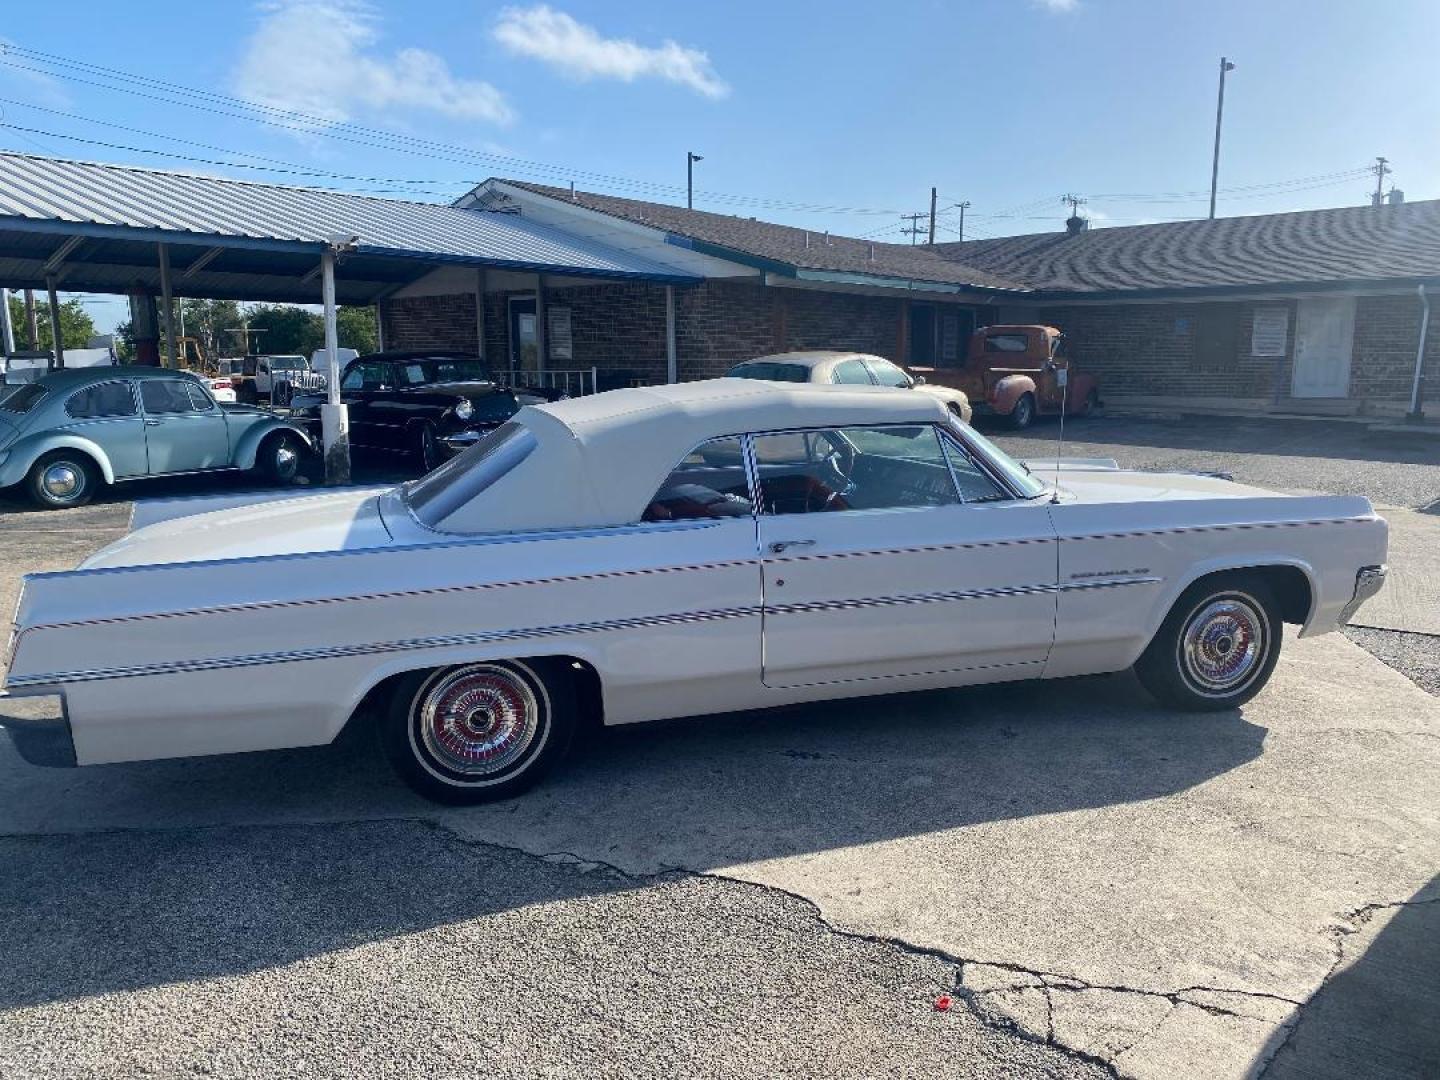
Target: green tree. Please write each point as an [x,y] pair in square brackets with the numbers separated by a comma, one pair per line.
[206,321]
[287,329]
[76,326]
[355,329]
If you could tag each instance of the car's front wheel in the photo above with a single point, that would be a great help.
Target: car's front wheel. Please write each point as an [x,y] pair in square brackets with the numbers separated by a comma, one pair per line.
[1217,647]
[279,457]
[62,479]
[1023,415]
[479,732]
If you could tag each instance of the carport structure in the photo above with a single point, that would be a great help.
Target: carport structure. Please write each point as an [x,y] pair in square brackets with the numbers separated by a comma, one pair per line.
[121,229]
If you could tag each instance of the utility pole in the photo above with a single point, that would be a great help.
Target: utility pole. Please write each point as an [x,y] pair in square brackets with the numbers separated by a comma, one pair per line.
[1225,65]
[932,217]
[1381,168]
[962,207]
[690,159]
[913,229]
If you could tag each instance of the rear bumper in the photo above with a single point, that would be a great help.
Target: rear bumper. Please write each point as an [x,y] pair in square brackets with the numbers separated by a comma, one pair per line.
[40,730]
[1368,582]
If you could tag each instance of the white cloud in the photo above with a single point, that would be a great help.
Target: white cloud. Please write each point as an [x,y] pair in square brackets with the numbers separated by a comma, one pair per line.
[579,52]
[1058,6]
[317,57]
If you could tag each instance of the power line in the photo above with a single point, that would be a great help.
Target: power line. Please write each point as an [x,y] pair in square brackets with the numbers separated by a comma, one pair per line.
[293,120]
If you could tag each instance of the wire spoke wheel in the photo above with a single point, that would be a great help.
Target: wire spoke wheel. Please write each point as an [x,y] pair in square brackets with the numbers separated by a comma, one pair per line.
[1223,645]
[479,721]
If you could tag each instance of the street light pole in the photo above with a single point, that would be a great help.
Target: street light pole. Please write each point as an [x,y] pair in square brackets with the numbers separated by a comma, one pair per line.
[690,159]
[1225,65]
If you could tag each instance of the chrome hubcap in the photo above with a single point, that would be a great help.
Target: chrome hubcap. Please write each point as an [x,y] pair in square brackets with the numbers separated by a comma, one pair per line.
[286,459]
[62,480]
[479,720]
[1224,645]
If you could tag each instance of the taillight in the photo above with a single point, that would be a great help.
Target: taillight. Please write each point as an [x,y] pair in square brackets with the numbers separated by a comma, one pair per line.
[220,384]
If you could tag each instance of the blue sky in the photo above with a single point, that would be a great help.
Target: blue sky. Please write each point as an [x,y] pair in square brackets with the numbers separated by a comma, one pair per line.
[800,110]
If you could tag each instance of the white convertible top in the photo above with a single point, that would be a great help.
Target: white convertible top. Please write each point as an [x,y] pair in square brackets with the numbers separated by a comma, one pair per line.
[600,459]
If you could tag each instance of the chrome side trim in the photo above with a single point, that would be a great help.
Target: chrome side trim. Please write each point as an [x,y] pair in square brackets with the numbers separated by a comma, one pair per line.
[946,597]
[459,541]
[174,667]
[396,594]
[334,652]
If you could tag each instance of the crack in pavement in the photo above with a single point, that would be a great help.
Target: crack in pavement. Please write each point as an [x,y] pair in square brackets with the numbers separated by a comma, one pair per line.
[1354,922]
[1048,983]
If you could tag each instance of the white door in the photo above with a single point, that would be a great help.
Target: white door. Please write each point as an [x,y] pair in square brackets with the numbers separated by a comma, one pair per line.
[1324,334]
[875,565]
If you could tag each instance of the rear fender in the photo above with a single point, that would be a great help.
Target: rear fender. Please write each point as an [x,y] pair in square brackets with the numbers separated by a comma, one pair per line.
[1009,390]
[249,443]
[26,452]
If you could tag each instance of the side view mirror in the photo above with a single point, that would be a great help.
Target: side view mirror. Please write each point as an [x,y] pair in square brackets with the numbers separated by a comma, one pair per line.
[919,380]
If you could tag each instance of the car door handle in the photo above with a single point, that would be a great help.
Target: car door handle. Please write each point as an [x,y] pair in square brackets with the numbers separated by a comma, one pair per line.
[779,547]
[152,423]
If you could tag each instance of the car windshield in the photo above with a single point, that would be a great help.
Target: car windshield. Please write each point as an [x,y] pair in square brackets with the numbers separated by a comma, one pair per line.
[438,494]
[448,369]
[1019,476]
[288,363]
[771,371]
[23,398]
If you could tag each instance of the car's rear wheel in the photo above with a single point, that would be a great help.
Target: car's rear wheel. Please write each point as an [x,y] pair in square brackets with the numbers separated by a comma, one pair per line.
[479,732]
[279,457]
[62,479]
[1023,415]
[1218,646]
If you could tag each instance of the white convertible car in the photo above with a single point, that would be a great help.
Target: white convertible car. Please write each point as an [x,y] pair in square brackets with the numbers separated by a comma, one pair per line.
[667,552]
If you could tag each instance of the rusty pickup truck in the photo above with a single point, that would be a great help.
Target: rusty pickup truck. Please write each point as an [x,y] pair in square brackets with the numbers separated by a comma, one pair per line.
[1015,371]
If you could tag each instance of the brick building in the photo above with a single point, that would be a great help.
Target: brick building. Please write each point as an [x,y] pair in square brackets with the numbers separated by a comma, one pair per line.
[1316,311]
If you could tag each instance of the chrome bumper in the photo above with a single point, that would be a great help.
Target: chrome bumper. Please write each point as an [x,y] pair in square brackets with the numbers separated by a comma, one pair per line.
[1368,580]
[42,738]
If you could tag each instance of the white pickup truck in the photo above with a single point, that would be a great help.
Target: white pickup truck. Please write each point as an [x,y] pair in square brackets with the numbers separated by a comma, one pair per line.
[276,379]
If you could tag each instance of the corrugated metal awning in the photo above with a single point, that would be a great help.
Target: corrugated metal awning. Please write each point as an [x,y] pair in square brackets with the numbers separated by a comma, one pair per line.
[122,206]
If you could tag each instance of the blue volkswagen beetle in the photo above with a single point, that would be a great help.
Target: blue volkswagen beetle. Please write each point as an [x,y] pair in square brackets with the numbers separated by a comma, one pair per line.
[71,432]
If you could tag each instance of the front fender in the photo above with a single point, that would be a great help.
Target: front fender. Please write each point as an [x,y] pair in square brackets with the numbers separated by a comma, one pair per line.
[1009,390]
[27,451]
[1221,564]
[249,442]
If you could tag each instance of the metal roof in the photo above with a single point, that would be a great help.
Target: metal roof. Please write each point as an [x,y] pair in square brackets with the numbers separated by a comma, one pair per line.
[126,204]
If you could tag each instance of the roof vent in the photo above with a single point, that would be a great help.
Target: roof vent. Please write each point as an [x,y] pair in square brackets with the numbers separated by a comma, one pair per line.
[807,239]
[1075,225]
[1396,197]
[870,254]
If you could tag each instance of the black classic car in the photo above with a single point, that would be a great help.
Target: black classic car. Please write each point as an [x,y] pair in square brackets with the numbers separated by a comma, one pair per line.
[426,405]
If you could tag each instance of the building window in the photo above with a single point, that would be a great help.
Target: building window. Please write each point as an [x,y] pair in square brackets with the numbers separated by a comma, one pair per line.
[1217,337]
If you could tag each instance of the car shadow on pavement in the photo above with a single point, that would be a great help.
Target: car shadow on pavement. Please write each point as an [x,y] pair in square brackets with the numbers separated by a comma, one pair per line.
[700,794]
[1377,1016]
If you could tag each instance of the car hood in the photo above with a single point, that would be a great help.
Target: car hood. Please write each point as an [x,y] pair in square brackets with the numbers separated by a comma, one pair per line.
[1098,484]
[333,521]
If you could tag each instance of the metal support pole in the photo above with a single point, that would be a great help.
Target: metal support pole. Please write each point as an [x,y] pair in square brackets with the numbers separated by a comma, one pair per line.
[1417,388]
[32,330]
[57,340]
[334,417]
[480,313]
[7,328]
[379,327]
[932,217]
[672,363]
[167,298]
[542,330]
[1225,66]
